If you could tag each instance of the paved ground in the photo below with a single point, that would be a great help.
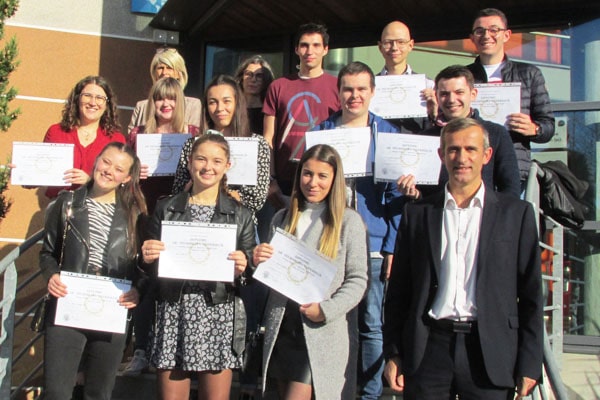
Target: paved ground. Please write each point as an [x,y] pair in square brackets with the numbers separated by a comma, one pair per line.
[581,376]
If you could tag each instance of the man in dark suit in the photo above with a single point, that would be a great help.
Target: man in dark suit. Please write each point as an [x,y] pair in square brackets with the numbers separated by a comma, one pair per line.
[463,312]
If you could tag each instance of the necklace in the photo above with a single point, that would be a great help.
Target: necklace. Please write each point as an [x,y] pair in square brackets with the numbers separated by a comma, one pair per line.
[86,133]
[198,202]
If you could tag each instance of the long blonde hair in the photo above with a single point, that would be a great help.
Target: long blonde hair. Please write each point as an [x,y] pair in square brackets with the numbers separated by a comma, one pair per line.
[336,199]
[167,88]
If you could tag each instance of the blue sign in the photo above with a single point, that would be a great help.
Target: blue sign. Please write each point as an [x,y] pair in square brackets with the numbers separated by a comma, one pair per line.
[147,6]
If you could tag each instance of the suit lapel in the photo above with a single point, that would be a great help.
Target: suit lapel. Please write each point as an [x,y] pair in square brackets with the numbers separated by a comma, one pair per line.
[488,219]
[435,214]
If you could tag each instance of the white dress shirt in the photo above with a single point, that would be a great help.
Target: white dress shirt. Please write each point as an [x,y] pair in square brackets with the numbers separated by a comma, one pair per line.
[455,298]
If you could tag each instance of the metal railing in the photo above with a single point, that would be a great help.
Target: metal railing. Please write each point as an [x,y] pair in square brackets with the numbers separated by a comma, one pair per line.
[8,270]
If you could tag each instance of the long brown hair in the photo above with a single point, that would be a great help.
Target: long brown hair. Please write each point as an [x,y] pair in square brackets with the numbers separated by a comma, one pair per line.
[70,113]
[167,88]
[240,126]
[336,199]
[221,142]
[129,195]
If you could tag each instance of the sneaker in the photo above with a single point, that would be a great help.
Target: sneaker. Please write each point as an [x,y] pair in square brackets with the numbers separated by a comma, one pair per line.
[137,364]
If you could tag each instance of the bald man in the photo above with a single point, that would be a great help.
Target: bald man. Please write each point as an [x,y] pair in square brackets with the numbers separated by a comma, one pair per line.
[395,45]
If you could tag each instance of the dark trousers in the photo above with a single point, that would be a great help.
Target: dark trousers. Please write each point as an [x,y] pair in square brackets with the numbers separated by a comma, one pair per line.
[453,365]
[63,348]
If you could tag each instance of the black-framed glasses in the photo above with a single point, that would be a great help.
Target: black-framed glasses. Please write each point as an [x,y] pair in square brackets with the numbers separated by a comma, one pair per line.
[388,43]
[258,75]
[87,98]
[494,31]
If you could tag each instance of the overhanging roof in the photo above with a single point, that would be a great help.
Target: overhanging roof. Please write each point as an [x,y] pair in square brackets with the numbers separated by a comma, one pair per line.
[358,22]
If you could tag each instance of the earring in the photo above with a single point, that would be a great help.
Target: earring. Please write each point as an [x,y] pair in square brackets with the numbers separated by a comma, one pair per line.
[122,185]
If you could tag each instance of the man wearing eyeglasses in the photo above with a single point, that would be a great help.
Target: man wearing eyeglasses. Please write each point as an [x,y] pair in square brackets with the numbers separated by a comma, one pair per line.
[535,122]
[395,46]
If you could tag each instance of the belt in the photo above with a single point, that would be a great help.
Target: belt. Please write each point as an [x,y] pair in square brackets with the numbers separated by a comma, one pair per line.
[448,325]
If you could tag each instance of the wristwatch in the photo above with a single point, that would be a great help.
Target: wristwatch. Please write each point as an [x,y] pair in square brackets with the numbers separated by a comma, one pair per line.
[538,129]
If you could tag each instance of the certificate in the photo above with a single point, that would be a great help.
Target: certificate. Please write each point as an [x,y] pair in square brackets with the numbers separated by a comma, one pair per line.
[496,100]
[41,164]
[353,144]
[296,271]
[399,96]
[401,154]
[91,303]
[160,152]
[197,251]
[244,161]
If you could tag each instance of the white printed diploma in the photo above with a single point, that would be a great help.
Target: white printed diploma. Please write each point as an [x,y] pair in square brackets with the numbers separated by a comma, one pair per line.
[495,101]
[244,161]
[197,251]
[353,144]
[41,164]
[401,154]
[296,271]
[399,96]
[160,151]
[91,303]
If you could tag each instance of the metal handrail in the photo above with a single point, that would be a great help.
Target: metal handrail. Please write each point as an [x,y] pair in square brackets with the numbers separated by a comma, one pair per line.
[7,361]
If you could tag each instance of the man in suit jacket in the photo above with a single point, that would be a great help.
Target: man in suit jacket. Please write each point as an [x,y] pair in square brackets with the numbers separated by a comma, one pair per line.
[463,313]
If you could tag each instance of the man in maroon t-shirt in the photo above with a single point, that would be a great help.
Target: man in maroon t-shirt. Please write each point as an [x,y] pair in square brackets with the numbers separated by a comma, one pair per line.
[296,103]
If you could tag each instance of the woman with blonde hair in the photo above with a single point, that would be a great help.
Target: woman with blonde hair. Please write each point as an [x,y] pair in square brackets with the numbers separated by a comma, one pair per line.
[310,350]
[167,62]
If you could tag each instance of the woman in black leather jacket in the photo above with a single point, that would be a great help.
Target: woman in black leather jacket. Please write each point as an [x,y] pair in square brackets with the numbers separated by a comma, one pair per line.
[91,230]
[200,325]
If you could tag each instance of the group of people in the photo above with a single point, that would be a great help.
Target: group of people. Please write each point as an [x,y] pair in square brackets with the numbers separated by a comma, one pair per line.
[460,260]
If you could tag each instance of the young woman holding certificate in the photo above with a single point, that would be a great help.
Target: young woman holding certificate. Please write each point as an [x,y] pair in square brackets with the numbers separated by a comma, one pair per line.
[91,230]
[226,112]
[310,350]
[200,325]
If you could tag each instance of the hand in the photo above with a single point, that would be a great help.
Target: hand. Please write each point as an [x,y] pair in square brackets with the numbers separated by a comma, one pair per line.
[407,185]
[313,312]
[144,171]
[388,259]
[151,250]
[262,253]
[240,262]
[129,299]
[76,176]
[428,95]
[55,287]
[521,123]
[525,386]
[393,374]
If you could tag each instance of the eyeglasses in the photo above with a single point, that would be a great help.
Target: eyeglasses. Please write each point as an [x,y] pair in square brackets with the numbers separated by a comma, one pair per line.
[494,31]
[388,43]
[87,98]
[259,76]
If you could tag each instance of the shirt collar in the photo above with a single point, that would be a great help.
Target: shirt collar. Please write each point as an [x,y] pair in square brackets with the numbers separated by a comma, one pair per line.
[476,201]
[408,71]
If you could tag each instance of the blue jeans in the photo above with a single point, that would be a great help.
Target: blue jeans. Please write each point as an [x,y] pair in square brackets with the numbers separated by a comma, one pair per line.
[370,323]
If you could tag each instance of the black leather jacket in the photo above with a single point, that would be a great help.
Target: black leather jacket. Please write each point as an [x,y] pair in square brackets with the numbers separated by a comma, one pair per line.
[227,211]
[119,264]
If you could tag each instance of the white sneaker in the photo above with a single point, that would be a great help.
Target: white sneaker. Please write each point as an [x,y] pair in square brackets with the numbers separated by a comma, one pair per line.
[138,363]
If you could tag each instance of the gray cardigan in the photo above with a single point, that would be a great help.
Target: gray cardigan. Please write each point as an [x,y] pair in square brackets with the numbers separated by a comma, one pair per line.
[333,344]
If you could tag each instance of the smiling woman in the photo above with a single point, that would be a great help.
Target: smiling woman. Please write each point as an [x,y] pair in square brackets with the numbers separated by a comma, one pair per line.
[89,122]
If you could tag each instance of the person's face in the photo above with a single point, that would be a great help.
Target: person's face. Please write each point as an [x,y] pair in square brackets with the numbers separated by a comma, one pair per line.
[489,43]
[316,180]
[464,156]
[164,109]
[395,43]
[356,93]
[220,101]
[253,79]
[311,50]
[163,70]
[208,164]
[112,168]
[92,103]
[454,97]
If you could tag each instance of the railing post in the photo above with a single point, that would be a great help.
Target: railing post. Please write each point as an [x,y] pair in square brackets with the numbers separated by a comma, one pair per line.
[8,328]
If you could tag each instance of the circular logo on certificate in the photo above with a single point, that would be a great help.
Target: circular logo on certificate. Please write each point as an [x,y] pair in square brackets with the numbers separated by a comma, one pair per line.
[489,108]
[93,304]
[297,273]
[409,157]
[398,95]
[43,163]
[199,253]
[165,153]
